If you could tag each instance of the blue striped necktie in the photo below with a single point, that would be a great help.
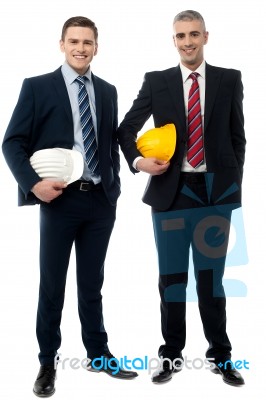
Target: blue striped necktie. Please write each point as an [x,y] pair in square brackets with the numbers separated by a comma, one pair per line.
[88,133]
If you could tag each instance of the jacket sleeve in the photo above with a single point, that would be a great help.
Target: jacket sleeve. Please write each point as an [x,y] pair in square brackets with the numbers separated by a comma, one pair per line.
[134,120]
[17,137]
[115,147]
[237,124]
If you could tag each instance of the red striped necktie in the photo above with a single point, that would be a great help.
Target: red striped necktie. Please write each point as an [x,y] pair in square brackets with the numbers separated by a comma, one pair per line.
[195,137]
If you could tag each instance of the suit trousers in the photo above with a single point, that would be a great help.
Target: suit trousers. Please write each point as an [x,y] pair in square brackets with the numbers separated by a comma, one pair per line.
[193,224]
[86,219]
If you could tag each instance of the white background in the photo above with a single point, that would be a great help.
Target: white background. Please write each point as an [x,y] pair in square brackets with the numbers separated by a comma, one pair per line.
[135,36]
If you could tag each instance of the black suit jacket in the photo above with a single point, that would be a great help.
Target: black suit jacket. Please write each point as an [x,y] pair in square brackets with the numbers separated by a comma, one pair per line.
[162,97]
[43,119]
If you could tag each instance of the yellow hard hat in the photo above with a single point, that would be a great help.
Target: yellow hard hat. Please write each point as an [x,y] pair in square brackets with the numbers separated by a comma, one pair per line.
[158,142]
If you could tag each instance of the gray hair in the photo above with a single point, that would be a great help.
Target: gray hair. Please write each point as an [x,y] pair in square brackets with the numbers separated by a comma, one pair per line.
[189,15]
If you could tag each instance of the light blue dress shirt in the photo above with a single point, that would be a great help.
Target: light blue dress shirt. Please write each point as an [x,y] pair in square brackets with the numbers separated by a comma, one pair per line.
[69,75]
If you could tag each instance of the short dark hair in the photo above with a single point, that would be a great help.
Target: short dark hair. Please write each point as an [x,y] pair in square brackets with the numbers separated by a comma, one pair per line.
[79,21]
[189,15]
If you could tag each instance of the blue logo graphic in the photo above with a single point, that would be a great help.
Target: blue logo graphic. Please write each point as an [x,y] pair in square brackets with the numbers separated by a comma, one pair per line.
[239,364]
[209,227]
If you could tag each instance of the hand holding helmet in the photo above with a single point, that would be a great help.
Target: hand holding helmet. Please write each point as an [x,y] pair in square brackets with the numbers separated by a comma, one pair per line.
[57,167]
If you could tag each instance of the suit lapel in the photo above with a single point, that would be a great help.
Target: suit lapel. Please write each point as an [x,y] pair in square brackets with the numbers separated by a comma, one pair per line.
[60,88]
[213,77]
[98,101]
[175,86]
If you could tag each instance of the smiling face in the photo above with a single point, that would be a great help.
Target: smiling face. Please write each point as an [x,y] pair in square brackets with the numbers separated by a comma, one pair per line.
[189,39]
[79,46]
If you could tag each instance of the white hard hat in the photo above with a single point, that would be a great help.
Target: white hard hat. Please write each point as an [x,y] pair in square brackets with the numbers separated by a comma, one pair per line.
[58,164]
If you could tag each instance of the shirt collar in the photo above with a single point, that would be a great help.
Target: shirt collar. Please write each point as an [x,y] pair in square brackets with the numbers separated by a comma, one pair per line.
[70,74]
[186,72]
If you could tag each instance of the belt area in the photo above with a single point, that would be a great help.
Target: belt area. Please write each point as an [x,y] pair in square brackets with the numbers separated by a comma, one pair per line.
[84,186]
[193,177]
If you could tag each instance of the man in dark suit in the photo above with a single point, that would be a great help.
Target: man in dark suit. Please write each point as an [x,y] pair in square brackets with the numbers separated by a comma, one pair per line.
[47,115]
[193,195]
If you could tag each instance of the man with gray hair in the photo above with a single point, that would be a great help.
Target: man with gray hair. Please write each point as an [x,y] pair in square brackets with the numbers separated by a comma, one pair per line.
[192,195]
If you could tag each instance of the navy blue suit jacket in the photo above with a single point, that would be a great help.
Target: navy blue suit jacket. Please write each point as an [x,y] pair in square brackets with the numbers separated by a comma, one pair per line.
[43,119]
[162,97]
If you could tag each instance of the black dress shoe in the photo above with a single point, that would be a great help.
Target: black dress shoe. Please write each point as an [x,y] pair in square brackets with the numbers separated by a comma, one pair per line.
[109,364]
[165,372]
[229,374]
[44,384]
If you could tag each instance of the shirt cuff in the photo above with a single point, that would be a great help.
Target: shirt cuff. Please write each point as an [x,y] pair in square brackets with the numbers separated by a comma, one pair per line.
[134,164]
